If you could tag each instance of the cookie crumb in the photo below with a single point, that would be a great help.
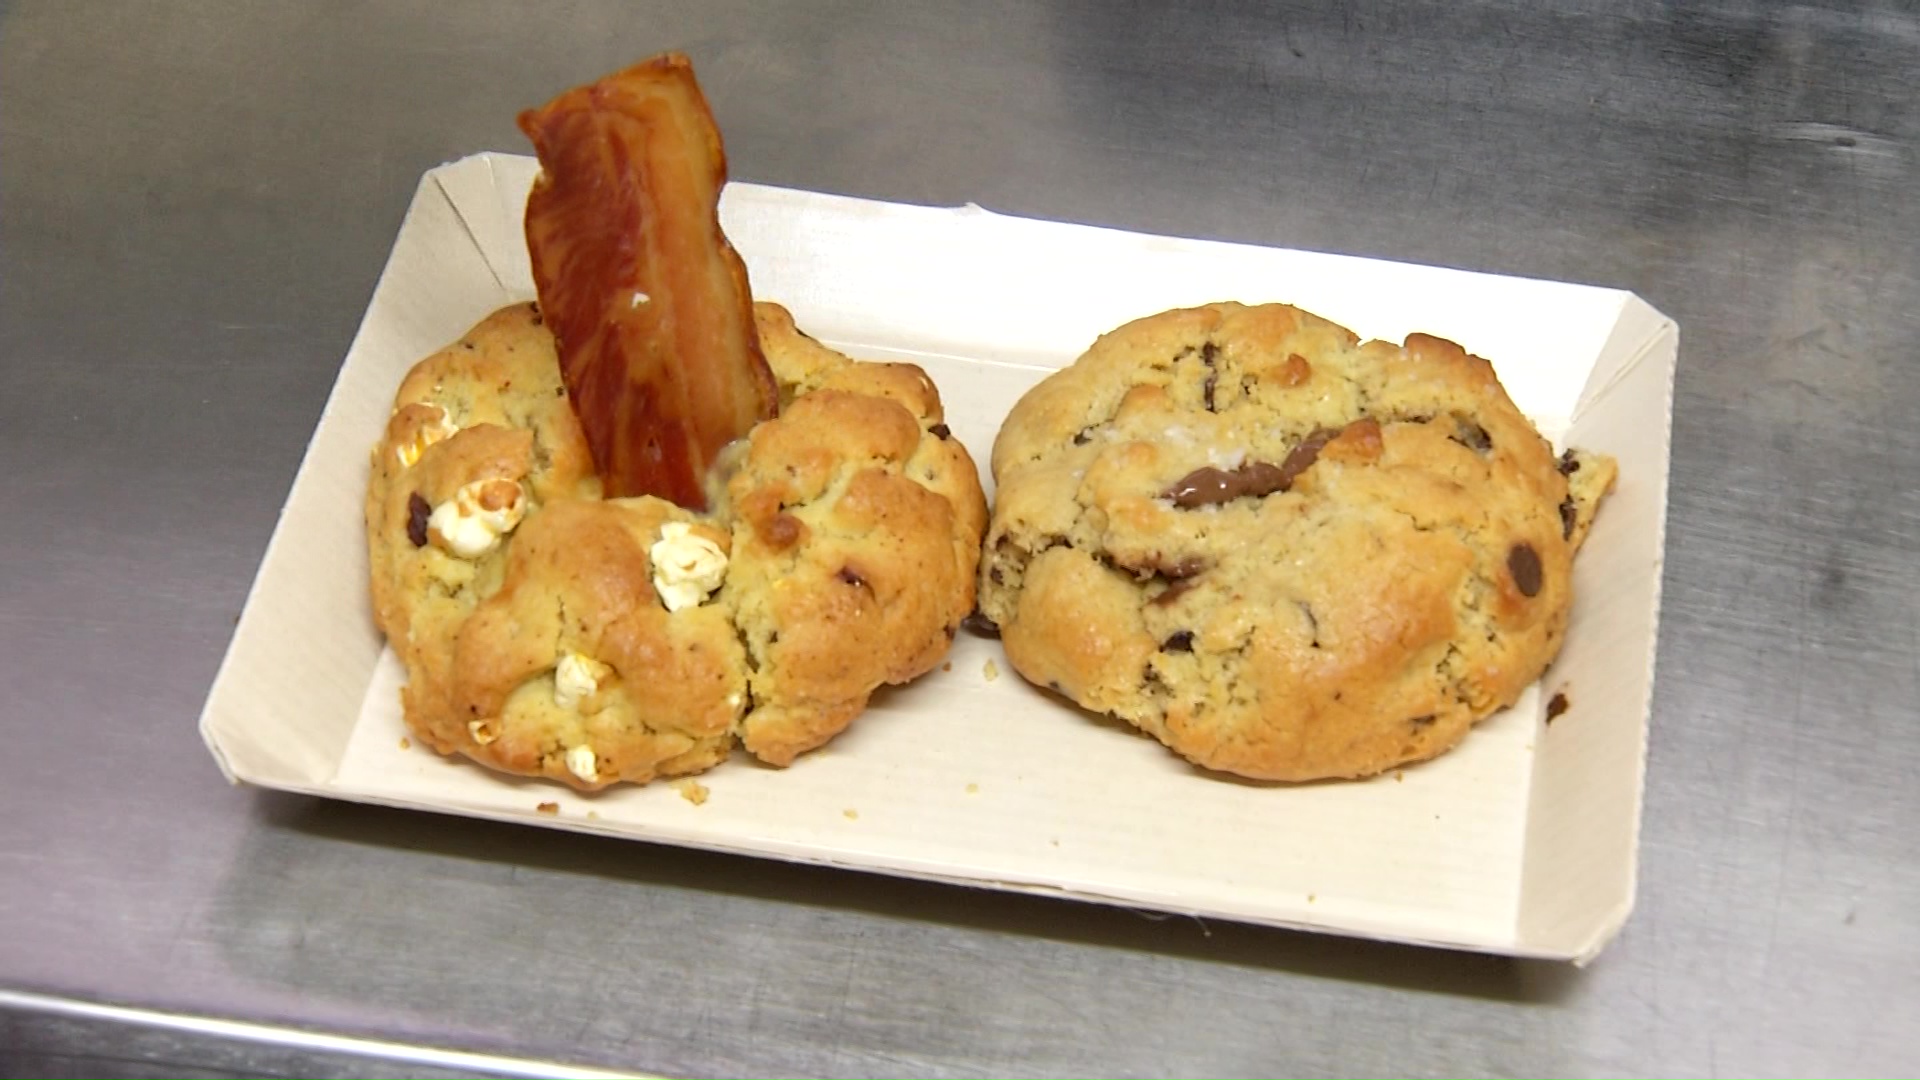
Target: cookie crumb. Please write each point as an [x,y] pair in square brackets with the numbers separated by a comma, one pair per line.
[973,789]
[991,670]
[1311,898]
[406,743]
[1400,776]
[693,791]
[1556,705]
[850,814]
[593,815]
[1055,841]
[948,666]
[548,808]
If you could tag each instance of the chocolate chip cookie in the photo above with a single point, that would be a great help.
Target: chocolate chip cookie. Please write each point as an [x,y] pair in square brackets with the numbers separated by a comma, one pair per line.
[1284,553]
[548,632]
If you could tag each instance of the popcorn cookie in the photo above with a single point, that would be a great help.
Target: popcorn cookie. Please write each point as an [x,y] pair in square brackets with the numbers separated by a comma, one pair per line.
[1284,553]
[548,632]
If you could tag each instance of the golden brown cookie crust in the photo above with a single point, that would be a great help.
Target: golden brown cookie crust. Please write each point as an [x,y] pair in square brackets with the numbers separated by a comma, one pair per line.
[849,530]
[1284,553]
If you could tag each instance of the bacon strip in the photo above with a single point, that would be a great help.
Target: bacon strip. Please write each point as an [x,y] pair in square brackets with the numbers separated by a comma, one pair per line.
[648,301]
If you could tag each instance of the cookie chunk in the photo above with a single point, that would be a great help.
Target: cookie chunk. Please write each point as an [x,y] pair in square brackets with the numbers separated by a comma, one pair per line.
[857,523]
[1284,553]
[480,437]
[547,632]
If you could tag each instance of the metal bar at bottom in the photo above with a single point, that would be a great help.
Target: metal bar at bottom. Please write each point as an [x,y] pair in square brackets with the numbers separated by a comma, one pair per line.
[294,1041]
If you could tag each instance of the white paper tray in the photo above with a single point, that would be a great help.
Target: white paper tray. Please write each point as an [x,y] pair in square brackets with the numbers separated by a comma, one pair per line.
[1521,841]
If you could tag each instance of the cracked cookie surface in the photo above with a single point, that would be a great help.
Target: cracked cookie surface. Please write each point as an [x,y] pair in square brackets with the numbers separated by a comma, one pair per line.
[1284,553]
[547,632]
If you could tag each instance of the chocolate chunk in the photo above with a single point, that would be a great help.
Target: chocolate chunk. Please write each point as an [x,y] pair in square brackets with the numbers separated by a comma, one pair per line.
[1419,722]
[1524,564]
[851,577]
[1208,486]
[1180,642]
[1175,591]
[1159,566]
[977,623]
[1556,705]
[417,514]
[1204,486]
[1207,354]
[1569,464]
[1302,457]
[1569,517]
[1261,478]
[1471,435]
[941,432]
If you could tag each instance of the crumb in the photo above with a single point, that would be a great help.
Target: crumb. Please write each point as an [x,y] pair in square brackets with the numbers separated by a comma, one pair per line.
[1399,776]
[1556,705]
[693,791]
[593,815]
[991,671]
[973,789]
[851,814]
[406,743]
[1311,898]
[1055,841]
[548,808]
[948,666]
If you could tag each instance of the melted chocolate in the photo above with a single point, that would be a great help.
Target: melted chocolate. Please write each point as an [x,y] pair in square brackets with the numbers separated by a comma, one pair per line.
[1524,564]
[417,514]
[1208,486]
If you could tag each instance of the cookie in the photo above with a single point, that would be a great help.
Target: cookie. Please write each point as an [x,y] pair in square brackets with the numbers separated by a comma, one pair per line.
[1284,553]
[547,632]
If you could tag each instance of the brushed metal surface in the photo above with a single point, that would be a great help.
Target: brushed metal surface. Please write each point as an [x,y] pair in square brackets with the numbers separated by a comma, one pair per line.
[196,197]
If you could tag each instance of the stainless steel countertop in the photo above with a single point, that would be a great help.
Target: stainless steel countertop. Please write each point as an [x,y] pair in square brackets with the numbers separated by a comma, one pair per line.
[195,199]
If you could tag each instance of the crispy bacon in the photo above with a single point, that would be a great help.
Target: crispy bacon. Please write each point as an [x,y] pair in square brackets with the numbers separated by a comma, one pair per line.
[647,299]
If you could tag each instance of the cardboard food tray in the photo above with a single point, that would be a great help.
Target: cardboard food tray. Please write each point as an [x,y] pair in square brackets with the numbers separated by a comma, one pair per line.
[1521,841]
